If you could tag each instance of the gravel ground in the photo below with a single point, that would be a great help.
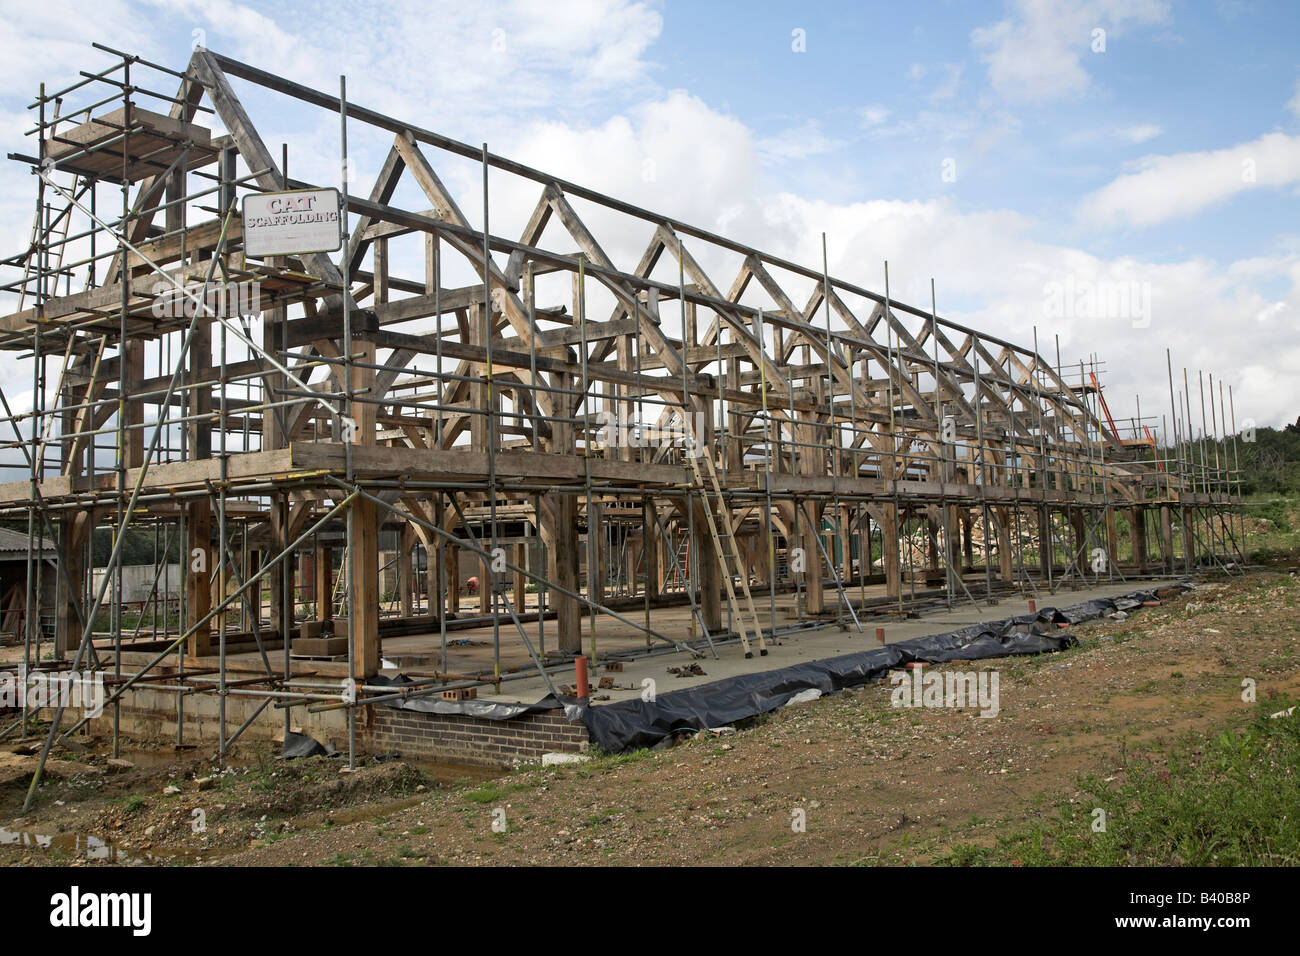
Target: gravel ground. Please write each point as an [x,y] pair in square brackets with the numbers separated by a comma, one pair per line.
[846,779]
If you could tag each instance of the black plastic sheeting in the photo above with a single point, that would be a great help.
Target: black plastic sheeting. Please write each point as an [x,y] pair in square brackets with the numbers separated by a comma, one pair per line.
[488,710]
[633,724]
[300,745]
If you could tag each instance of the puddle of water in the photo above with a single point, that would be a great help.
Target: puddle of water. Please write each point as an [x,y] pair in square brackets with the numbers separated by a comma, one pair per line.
[90,847]
[357,814]
[456,774]
[170,756]
[96,848]
[143,759]
[443,774]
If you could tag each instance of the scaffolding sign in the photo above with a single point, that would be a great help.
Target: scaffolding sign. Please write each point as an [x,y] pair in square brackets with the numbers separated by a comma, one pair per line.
[292,223]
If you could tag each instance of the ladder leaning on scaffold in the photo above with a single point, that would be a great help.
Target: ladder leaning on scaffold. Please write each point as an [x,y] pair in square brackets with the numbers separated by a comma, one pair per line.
[695,450]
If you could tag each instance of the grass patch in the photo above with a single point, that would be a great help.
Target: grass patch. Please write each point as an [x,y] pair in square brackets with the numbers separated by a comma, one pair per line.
[134,803]
[1226,800]
[601,762]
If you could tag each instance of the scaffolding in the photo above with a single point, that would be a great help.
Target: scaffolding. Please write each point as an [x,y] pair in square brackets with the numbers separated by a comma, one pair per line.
[254,417]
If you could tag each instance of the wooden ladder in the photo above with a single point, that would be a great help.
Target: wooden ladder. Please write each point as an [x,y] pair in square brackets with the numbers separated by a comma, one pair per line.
[694,452]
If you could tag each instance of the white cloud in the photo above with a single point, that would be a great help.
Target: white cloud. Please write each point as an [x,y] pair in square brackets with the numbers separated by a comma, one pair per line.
[232,27]
[1139,133]
[500,57]
[1183,184]
[1271,311]
[947,89]
[43,40]
[799,142]
[993,274]
[1035,54]
[672,152]
[950,127]
[873,115]
[477,71]
[947,78]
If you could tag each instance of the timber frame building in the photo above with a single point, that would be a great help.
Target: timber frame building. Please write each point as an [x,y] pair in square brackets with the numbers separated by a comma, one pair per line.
[438,399]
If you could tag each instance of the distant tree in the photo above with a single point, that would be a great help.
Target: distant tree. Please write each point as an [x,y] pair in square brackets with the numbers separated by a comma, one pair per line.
[138,548]
[1270,464]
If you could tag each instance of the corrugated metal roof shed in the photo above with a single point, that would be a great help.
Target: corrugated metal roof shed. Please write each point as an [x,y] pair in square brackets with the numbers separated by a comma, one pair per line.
[14,544]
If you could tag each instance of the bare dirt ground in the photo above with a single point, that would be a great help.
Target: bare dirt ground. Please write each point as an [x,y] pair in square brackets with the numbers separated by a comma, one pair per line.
[874,783]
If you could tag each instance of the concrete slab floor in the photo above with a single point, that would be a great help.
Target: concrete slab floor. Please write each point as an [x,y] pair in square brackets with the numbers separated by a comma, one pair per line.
[470,650]
[826,641]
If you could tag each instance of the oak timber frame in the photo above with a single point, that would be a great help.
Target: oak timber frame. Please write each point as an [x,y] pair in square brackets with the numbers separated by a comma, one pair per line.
[361,400]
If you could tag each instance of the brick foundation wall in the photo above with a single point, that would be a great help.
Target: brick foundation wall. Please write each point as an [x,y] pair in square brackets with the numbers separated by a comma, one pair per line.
[151,714]
[475,740]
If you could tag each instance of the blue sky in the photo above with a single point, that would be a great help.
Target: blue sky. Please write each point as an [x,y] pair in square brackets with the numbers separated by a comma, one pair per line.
[1200,77]
[1168,161]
